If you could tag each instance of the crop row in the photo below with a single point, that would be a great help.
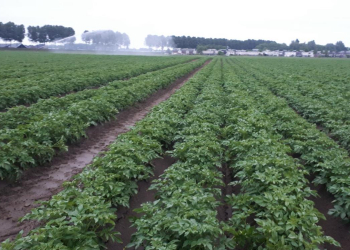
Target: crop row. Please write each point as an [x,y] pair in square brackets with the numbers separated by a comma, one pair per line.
[323,102]
[184,214]
[35,143]
[82,215]
[270,212]
[321,155]
[22,115]
[26,90]
[18,64]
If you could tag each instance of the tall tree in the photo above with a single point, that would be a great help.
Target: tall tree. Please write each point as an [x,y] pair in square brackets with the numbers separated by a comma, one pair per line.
[330,47]
[159,41]
[106,37]
[11,31]
[49,33]
[119,39]
[340,46]
[295,45]
[126,40]
[311,45]
[33,33]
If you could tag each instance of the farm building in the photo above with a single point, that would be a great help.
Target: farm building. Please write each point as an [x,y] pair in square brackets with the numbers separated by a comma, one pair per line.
[230,52]
[248,53]
[290,53]
[307,54]
[210,52]
[13,46]
[176,51]
[271,53]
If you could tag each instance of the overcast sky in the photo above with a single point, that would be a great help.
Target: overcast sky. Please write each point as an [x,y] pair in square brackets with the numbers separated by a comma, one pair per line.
[281,21]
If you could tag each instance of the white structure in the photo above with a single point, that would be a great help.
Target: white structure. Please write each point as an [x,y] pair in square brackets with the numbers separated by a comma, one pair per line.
[210,52]
[307,54]
[271,53]
[290,53]
[248,53]
[191,51]
[230,52]
[176,51]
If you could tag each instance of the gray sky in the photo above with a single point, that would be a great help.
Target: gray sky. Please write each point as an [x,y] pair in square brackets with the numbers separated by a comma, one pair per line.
[282,21]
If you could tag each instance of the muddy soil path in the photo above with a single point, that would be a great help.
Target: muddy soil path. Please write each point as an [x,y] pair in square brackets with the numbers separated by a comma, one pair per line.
[123,224]
[41,183]
[332,226]
[224,211]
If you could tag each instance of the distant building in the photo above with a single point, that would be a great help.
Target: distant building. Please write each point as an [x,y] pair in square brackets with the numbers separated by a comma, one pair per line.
[299,54]
[13,46]
[230,52]
[271,53]
[290,53]
[191,52]
[210,52]
[248,53]
[307,54]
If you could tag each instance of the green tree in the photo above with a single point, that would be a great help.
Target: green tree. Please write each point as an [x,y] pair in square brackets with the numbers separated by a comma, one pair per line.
[126,40]
[10,31]
[294,45]
[330,47]
[49,33]
[311,45]
[340,46]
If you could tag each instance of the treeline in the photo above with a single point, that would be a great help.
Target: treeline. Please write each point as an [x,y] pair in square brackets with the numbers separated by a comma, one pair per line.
[159,41]
[199,43]
[309,46]
[51,33]
[106,37]
[47,33]
[11,31]
[193,42]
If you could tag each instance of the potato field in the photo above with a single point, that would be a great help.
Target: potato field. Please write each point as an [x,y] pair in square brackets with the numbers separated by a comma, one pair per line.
[173,152]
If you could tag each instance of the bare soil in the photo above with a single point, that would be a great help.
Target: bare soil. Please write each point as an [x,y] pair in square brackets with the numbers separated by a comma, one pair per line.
[225,210]
[332,226]
[41,183]
[123,224]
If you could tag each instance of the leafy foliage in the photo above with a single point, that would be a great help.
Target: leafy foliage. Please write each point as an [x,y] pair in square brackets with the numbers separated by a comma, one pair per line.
[35,143]
[320,154]
[82,215]
[27,78]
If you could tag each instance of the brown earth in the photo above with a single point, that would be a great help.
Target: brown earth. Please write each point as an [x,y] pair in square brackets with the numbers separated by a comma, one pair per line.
[40,183]
[225,210]
[332,226]
[123,224]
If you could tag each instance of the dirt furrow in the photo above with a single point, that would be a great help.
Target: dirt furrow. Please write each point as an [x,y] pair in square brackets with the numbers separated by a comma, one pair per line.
[225,210]
[332,226]
[40,183]
[123,224]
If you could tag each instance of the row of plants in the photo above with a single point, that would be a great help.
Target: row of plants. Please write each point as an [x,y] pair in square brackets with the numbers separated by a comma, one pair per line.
[82,215]
[22,115]
[26,90]
[35,143]
[17,64]
[272,209]
[321,155]
[184,214]
[324,104]
[270,212]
